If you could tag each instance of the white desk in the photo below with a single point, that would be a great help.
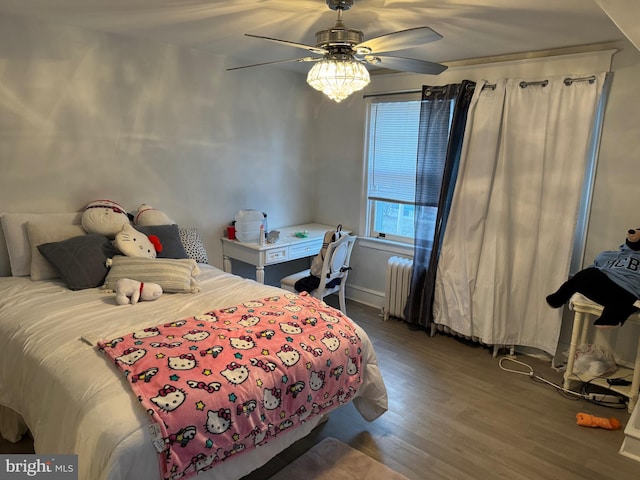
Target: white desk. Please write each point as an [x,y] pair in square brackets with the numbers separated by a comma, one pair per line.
[287,248]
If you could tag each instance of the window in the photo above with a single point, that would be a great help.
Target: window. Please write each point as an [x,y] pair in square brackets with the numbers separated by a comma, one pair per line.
[392,146]
[392,151]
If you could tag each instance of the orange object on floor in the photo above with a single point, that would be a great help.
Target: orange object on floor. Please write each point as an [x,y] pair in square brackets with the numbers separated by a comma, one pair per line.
[586,420]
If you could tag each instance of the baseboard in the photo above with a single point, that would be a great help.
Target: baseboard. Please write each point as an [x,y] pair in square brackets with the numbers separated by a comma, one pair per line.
[366,296]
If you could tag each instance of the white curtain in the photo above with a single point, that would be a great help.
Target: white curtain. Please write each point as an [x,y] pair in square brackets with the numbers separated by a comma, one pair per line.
[510,233]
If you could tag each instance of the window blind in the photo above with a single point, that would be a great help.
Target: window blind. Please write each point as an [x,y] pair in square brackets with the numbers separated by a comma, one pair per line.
[393,146]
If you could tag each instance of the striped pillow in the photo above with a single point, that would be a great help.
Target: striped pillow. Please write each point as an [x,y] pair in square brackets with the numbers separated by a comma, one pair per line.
[173,275]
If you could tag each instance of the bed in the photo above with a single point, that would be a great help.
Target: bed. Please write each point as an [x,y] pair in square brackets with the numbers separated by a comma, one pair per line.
[55,380]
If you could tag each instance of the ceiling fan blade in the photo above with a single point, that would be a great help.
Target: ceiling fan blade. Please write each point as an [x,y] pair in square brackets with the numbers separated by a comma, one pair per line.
[317,50]
[406,64]
[400,40]
[303,59]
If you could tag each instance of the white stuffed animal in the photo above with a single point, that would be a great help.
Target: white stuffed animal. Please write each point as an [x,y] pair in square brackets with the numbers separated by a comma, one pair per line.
[130,291]
[149,216]
[104,217]
[133,243]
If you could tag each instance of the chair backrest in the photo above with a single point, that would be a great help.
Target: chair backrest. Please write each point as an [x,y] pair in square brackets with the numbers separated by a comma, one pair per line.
[330,236]
[336,263]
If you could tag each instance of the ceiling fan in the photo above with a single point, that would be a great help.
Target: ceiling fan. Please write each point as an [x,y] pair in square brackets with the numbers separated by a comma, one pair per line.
[339,68]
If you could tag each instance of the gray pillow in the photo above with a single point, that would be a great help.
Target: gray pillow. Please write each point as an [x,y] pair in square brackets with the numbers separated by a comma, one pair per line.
[169,238]
[81,261]
[47,232]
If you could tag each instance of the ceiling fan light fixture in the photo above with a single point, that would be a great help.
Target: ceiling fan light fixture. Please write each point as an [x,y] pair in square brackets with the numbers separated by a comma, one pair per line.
[338,79]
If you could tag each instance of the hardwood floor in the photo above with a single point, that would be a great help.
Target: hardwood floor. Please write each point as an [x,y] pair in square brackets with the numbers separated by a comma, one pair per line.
[454,414]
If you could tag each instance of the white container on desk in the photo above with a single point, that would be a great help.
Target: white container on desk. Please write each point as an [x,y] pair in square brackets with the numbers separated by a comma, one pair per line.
[248,223]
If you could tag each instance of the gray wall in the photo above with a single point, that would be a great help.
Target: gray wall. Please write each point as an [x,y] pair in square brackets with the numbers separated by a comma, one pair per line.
[86,115]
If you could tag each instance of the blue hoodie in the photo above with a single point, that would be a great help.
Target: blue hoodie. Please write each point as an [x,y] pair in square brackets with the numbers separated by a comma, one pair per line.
[622,267]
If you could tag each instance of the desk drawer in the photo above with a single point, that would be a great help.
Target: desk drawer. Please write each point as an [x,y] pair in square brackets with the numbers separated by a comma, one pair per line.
[305,249]
[276,255]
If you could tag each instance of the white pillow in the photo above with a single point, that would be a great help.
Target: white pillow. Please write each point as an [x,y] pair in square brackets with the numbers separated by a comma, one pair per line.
[47,232]
[14,227]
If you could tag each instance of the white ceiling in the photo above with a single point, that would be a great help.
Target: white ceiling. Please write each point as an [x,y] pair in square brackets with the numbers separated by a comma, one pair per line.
[471,28]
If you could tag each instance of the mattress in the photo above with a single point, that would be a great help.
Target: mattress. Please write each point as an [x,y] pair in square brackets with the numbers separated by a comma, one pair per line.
[74,400]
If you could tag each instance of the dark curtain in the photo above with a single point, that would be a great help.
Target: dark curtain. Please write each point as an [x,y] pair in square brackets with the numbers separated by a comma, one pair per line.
[443,117]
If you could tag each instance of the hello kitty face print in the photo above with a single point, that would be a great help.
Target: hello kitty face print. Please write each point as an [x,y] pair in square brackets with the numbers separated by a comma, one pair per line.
[316,381]
[352,366]
[249,320]
[244,342]
[169,398]
[330,341]
[206,317]
[196,335]
[146,333]
[202,462]
[235,373]
[131,355]
[218,422]
[234,378]
[290,328]
[186,361]
[271,399]
[259,436]
[327,317]
[288,355]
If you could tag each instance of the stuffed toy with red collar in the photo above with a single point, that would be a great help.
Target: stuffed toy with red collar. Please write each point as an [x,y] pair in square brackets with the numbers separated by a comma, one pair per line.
[613,281]
[131,291]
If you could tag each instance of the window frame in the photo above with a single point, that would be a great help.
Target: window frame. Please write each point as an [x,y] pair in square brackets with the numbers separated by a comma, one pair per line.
[369,202]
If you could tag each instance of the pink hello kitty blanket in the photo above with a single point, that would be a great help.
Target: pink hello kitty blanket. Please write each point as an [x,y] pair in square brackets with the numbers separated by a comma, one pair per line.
[229,380]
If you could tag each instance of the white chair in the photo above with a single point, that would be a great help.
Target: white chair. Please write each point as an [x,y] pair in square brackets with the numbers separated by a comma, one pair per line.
[335,265]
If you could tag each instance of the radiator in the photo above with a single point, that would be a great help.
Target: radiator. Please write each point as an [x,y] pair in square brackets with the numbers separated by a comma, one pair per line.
[398,282]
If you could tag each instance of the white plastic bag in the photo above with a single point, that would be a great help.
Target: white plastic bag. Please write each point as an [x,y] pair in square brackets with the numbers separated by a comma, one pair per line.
[593,360]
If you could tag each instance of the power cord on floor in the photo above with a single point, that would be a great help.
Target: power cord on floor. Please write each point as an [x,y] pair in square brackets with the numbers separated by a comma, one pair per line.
[604,400]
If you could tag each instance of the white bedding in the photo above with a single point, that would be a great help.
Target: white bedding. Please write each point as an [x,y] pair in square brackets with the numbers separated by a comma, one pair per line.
[74,401]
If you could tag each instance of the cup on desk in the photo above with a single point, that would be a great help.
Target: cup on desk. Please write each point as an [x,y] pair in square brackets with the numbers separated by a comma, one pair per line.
[231,232]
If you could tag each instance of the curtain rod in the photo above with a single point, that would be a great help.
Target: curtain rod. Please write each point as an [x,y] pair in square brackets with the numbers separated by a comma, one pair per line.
[567,81]
[405,92]
[543,83]
[387,94]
